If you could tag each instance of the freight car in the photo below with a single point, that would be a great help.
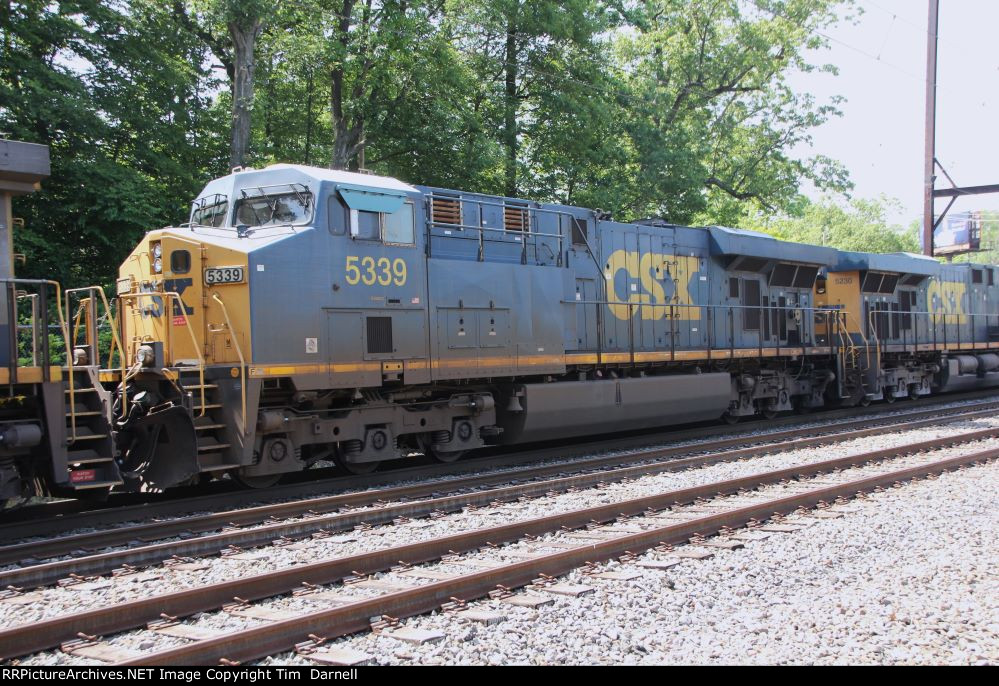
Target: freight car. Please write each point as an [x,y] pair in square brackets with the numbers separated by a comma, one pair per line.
[307,315]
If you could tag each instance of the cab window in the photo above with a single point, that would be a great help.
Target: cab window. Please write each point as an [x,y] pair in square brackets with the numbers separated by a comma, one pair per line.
[399,225]
[365,225]
[396,227]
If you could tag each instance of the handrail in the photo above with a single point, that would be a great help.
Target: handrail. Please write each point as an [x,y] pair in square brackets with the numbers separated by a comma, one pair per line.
[194,339]
[239,353]
[527,208]
[710,318]
[874,330]
[46,362]
[96,351]
[33,297]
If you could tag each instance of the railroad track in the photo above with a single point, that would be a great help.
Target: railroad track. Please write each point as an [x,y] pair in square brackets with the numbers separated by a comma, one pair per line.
[322,516]
[61,516]
[580,537]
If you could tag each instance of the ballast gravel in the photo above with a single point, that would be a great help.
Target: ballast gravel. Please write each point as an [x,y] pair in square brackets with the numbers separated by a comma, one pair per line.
[907,576]
[728,625]
[54,601]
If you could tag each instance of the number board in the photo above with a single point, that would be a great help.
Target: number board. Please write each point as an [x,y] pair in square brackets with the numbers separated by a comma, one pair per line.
[217,275]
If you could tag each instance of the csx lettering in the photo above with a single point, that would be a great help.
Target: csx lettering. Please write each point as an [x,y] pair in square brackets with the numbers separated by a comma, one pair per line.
[947,297]
[653,273]
[177,286]
[369,271]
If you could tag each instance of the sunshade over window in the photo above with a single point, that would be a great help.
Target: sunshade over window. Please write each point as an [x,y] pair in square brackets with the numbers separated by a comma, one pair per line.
[371,201]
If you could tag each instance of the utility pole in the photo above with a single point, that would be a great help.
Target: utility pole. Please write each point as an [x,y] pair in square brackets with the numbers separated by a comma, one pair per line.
[929,175]
[930,222]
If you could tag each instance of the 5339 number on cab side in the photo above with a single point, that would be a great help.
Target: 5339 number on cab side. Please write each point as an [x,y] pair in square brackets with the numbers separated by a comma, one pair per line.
[369,271]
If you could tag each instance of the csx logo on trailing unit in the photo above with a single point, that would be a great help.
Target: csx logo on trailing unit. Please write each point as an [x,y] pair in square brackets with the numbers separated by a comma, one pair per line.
[652,272]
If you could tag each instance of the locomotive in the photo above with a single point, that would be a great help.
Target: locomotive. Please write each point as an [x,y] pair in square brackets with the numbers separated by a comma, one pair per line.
[308,315]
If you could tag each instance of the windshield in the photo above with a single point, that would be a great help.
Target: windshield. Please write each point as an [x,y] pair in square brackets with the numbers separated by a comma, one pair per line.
[274,206]
[210,211]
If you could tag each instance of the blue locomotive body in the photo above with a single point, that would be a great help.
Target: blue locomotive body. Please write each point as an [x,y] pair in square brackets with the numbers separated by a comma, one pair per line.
[324,315]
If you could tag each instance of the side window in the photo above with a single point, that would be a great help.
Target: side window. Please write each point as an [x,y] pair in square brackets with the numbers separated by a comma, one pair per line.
[366,225]
[399,226]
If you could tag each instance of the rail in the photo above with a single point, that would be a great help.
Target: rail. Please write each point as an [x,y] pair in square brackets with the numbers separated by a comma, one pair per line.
[522,234]
[914,327]
[88,309]
[715,336]
[41,352]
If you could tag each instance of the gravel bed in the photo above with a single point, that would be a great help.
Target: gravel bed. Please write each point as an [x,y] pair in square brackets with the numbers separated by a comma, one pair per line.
[750,433]
[420,530]
[162,579]
[908,577]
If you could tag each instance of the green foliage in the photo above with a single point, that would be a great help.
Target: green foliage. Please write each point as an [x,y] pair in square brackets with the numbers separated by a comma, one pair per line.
[673,108]
[119,95]
[861,225]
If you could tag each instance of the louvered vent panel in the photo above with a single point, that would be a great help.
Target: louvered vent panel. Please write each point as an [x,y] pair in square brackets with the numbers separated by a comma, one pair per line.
[515,218]
[447,210]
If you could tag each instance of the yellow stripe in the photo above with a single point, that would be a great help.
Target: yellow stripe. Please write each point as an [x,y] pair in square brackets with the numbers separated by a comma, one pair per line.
[507,361]
[30,374]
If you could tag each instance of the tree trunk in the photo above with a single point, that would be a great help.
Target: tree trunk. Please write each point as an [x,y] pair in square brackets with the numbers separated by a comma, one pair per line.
[510,111]
[342,145]
[244,39]
[308,120]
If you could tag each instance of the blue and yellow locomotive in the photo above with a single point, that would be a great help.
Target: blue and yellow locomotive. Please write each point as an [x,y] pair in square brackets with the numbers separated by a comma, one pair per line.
[307,315]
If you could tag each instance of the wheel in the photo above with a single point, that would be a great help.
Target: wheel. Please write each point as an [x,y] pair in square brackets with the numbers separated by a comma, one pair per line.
[356,468]
[864,401]
[730,418]
[425,444]
[890,398]
[768,414]
[914,392]
[446,457]
[258,481]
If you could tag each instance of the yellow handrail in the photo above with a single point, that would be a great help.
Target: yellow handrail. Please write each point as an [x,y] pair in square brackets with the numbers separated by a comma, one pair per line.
[194,339]
[114,340]
[239,353]
[64,327]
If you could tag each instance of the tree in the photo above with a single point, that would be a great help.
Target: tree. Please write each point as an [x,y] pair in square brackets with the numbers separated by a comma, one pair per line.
[116,93]
[529,56]
[859,225]
[709,112]
[230,29]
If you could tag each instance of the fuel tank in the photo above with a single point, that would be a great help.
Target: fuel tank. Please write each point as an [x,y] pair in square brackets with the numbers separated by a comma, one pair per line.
[538,412]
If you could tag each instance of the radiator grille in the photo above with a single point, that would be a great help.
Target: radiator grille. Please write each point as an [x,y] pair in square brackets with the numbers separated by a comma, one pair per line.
[379,334]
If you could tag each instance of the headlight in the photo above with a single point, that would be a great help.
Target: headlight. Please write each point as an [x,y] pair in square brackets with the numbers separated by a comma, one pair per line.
[157,250]
[158,265]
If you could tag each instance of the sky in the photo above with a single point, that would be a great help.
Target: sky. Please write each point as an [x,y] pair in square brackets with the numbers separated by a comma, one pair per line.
[881,58]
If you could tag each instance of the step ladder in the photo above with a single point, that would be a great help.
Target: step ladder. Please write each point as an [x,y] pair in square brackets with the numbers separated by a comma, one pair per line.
[90,458]
[215,452]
